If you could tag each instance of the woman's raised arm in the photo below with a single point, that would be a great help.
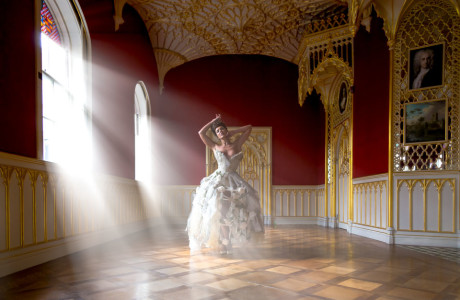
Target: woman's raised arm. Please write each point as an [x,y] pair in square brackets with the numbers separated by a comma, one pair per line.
[245,132]
[204,137]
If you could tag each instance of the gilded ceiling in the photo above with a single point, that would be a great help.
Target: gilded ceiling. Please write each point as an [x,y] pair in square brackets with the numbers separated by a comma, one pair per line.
[184,30]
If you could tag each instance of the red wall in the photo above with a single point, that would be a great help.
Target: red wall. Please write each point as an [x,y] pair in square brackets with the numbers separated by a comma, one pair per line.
[115,74]
[120,59]
[256,90]
[371,101]
[17,78]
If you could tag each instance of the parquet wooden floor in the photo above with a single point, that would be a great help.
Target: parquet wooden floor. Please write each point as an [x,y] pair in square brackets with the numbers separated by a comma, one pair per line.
[293,262]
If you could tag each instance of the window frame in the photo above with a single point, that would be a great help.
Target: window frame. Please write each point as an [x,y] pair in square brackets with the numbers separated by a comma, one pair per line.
[138,175]
[75,38]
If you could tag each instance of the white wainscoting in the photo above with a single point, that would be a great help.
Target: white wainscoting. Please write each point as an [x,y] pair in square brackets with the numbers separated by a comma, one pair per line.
[297,204]
[290,204]
[370,201]
[370,208]
[433,221]
[175,202]
[46,213]
[426,208]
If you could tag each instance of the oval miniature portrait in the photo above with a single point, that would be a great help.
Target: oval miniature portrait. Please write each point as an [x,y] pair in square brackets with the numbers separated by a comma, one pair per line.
[343,95]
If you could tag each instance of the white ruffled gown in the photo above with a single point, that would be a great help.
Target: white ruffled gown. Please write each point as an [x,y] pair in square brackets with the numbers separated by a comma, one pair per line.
[241,216]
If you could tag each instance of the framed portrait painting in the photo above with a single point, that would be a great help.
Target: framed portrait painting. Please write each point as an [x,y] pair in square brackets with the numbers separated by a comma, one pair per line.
[425,122]
[426,65]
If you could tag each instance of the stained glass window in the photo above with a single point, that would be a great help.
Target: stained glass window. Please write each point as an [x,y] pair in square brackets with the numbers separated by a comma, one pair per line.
[48,26]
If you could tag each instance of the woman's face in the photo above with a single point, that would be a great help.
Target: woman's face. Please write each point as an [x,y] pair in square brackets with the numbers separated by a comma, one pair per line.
[221,132]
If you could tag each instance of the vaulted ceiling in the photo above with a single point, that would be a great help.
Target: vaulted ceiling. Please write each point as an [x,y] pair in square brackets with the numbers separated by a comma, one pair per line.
[184,30]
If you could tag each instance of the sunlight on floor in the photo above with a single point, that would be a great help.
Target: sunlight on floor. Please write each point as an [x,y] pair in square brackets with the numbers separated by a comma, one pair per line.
[292,262]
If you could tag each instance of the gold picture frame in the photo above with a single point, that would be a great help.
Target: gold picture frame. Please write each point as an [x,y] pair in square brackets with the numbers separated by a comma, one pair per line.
[425,122]
[426,66]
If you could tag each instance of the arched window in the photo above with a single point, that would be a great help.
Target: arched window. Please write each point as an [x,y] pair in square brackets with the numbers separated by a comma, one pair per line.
[66,110]
[142,132]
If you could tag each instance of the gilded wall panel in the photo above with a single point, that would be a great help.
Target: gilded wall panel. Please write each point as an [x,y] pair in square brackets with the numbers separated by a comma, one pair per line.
[430,28]
[448,206]
[278,203]
[383,216]
[403,207]
[298,201]
[368,205]
[281,203]
[320,203]
[40,205]
[370,202]
[369,197]
[294,208]
[356,201]
[60,209]
[50,211]
[426,205]
[15,209]
[417,213]
[297,207]
[432,207]
[28,208]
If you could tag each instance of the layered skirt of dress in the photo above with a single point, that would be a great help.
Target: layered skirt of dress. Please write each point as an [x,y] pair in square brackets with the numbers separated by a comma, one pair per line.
[224,200]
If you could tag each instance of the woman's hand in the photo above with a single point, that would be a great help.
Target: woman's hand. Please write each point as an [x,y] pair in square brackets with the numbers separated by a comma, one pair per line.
[206,139]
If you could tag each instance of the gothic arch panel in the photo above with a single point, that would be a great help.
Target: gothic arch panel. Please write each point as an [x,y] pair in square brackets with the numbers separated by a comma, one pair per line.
[430,28]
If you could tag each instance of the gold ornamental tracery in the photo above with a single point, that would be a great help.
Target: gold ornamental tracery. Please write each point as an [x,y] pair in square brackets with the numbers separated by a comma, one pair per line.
[325,56]
[427,23]
[182,31]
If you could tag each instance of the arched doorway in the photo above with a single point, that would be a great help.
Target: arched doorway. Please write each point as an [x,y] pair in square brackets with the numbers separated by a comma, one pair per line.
[342,175]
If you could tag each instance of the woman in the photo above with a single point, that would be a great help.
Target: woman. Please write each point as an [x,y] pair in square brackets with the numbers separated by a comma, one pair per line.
[226,209]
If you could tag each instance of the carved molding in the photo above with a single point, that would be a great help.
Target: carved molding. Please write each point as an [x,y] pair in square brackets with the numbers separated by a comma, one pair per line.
[193,29]
[166,60]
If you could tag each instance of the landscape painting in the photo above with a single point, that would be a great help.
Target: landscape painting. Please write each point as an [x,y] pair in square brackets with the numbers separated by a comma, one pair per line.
[425,122]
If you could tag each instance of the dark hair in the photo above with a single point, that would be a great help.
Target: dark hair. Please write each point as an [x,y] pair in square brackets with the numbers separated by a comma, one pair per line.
[216,124]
